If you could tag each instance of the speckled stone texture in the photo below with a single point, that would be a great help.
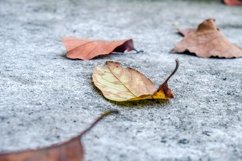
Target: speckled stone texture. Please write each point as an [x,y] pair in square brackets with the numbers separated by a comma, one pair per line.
[46,98]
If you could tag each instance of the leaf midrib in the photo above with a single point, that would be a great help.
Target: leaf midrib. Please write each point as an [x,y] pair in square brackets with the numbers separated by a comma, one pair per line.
[121,82]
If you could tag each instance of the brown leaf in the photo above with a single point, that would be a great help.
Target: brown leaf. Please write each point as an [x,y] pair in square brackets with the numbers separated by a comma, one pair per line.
[127,84]
[71,150]
[207,41]
[233,2]
[86,49]
[185,32]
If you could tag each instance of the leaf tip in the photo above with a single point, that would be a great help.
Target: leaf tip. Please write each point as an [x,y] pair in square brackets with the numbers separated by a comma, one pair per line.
[208,24]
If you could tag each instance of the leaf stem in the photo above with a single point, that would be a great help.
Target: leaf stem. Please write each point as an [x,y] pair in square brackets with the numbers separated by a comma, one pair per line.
[138,51]
[174,71]
[102,116]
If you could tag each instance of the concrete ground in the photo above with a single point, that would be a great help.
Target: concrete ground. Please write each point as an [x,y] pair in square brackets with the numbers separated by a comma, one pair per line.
[46,98]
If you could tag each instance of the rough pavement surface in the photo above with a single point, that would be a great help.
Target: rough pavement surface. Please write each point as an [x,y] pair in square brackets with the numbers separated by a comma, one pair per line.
[46,98]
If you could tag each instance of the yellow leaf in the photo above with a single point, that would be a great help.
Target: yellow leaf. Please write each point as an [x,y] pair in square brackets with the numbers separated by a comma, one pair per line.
[126,84]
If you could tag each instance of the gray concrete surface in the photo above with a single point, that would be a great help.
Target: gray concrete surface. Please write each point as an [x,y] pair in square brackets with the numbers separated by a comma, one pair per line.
[46,98]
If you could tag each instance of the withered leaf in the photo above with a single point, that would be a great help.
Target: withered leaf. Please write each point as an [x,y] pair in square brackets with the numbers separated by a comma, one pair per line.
[186,31]
[71,150]
[233,2]
[206,41]
[86,49]
[126,84]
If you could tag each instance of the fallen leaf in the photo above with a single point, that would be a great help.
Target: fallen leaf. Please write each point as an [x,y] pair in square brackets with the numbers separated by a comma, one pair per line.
[126,84]
[233,2]
[87,49]
[207,41]
[71,150]
[185,32]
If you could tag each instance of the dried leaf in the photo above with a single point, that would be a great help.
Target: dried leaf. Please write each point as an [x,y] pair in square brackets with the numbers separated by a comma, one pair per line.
[207,41]
[185,32]
[71,150]
[127,84]
[86,49]
[233,2]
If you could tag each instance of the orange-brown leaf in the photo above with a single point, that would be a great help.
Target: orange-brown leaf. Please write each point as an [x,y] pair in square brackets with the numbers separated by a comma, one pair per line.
[86,49]
[186,31]
[233,2]
[207,41]
[71,150]
[127,84]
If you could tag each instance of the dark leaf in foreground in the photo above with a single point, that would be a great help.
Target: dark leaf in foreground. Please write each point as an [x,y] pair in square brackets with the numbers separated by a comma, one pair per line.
[71,150]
